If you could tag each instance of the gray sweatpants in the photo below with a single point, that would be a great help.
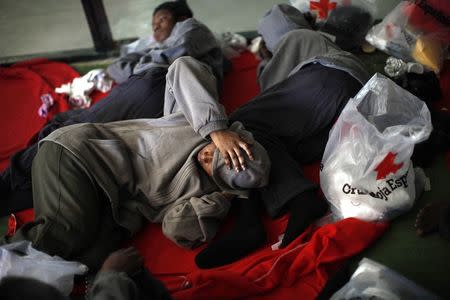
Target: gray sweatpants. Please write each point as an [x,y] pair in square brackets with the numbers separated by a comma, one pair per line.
[73,217]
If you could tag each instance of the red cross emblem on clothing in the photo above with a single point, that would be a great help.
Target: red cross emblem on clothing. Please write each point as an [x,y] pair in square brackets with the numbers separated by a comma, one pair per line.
[323,7]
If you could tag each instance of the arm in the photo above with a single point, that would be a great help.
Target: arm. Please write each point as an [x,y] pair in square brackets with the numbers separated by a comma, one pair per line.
[190,222]
[191,89]
[121,68]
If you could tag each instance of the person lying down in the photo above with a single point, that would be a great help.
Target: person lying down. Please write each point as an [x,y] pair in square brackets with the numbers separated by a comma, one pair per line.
[95,185]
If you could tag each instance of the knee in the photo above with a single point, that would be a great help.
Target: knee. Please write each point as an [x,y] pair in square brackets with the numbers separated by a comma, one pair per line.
[187,64]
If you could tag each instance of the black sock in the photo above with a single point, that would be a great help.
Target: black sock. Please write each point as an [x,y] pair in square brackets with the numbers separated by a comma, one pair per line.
[247,235]
[16,200]
[5,186]
[305,209]
[150,287]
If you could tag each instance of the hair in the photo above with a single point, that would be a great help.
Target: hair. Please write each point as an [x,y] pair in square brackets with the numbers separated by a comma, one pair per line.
[179,9]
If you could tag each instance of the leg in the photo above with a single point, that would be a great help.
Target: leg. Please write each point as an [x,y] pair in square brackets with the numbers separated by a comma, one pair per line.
[141,96]
[305,208]
[298,112]
[247,235]
[150,287]
[67,205]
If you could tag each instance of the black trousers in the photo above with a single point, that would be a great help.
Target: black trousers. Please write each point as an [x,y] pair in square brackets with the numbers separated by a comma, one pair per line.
[141,96]
[292,120]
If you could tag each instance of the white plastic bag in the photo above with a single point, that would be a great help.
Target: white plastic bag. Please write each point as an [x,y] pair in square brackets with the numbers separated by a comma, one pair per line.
[372,280]
[410,34]
[21,259]
[322,9]
[366,170]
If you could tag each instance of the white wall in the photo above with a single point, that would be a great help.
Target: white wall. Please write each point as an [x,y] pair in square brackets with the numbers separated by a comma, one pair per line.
[36,26]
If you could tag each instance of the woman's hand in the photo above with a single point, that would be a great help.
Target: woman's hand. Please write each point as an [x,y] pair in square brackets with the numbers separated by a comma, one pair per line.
[230,145]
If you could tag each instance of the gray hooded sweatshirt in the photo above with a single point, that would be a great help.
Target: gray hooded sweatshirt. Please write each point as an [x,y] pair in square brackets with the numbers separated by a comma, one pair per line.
[294,45]
[149,167]
[188,38]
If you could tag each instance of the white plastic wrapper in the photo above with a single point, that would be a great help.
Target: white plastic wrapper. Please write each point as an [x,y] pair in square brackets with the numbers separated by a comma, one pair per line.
[81,87]
[372,280]
[403,37]
[322,9]
[21,259]
[366,170]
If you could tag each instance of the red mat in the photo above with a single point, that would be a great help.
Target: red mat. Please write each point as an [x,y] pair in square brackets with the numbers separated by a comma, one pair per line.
[22,86]
[296,272]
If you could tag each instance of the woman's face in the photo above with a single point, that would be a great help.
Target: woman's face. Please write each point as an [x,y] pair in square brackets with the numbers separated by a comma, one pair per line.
[205,158]
[162,23]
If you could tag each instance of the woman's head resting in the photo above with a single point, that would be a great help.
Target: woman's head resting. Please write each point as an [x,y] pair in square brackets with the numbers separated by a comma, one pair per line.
[166,15]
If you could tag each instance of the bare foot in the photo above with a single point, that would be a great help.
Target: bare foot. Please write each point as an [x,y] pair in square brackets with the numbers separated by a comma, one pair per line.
[427,220]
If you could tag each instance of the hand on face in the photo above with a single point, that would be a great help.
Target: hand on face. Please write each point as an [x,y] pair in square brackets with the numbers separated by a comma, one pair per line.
[162,23]
[231,145]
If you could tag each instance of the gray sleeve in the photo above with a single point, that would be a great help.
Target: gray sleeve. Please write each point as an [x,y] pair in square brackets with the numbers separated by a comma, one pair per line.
[191,38]
[191,88]
[190,222]
[113,286]
[123,67]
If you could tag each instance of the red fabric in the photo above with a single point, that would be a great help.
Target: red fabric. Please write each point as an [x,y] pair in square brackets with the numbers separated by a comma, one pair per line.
[298,271]
[241,84]
[427,22]
[21,87]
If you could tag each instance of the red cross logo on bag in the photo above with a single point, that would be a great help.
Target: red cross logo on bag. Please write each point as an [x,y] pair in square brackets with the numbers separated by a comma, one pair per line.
[323,7]
[387,166]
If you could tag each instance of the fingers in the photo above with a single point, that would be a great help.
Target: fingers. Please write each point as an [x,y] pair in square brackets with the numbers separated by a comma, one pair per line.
[236,160]
[231,147]
[237,157]
[226,159]
[248,151]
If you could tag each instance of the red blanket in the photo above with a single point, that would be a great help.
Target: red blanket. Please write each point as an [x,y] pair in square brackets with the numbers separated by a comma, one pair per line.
[298,271]
[22,87]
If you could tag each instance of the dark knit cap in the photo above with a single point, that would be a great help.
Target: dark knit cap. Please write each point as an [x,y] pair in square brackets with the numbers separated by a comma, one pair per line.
[178,8]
